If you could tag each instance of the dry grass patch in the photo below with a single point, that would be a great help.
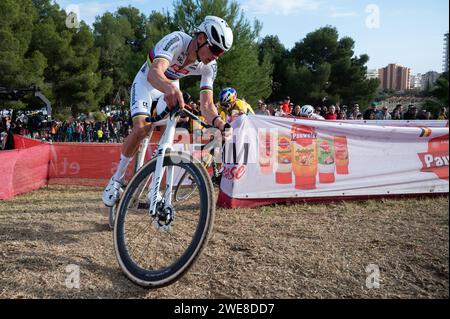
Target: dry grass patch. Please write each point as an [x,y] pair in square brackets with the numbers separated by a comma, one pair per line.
[297,251]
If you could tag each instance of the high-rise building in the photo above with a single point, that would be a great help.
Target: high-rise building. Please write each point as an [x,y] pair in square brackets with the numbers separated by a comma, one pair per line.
[372,74]
[429,79]
[415,81]
[445,69]
[418,81]
[394,77]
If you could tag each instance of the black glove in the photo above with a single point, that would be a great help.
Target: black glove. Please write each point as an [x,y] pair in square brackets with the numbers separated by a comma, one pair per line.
[227,125]
[187,97]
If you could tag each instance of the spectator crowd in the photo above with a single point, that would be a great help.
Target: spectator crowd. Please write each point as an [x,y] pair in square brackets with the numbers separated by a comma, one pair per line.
[109,131]
[116,127]
[113,130]
[344,112]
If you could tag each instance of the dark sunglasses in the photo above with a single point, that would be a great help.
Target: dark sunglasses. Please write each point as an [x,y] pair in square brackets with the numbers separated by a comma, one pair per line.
[217,51]
[226,105]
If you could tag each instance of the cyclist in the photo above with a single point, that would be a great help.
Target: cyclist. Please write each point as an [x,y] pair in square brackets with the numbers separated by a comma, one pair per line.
[308,112]
[175,56]
[230,106]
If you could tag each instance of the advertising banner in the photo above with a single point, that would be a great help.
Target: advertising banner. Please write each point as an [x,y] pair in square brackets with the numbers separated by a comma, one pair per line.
[272,159]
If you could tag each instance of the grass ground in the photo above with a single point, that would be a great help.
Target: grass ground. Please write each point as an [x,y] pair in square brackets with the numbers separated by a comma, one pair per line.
[298,251]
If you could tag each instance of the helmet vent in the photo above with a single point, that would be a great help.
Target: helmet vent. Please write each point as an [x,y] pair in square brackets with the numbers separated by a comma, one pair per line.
[224,44]
[215,35]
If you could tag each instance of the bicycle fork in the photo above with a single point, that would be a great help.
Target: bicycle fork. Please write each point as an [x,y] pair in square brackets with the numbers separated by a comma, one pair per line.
[159,204]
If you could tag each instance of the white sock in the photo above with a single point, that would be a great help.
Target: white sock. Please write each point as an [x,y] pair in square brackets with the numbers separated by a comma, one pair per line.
[122,167]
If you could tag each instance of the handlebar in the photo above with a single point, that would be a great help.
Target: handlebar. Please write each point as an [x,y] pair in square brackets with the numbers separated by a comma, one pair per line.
[177,112]
[159,117]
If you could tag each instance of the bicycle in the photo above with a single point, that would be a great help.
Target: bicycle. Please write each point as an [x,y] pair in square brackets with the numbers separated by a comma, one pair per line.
[183,189]
[183,227]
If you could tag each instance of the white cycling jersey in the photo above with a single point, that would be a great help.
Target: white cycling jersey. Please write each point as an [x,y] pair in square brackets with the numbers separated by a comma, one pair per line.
[174,48]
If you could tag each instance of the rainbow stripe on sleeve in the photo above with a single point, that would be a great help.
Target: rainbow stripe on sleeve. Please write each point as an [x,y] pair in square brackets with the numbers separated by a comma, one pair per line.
[205,88]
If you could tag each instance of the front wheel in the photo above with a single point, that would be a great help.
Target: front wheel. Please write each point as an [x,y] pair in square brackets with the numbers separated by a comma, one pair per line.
[154,251]
[111,216]
[112,210]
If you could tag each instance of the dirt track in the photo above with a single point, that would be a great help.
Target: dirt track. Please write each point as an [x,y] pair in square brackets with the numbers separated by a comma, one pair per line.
[301,251]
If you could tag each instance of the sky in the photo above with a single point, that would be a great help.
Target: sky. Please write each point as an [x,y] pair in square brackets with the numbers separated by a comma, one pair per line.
[407,32]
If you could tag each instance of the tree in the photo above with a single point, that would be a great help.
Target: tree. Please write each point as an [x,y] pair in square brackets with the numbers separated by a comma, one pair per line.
[83,69]
[71,75]
[82,87]
[270,47]
[111,33]
[19,66]
[440,90]
[334,68]
[124,39]
[158,25]
[439,95]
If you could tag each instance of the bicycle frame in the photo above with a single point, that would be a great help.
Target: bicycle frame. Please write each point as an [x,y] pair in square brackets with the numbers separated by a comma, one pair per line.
[165,145]
[140,156]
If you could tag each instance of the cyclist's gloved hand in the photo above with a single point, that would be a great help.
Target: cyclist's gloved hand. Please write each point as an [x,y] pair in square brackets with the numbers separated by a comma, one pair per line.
[173,97]
[226,130]
[187,97]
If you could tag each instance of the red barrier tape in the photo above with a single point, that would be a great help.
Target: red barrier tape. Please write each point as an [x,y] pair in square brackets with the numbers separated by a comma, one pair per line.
[24,169]
[89,164]
[7,162]
[35,164]
[21,142]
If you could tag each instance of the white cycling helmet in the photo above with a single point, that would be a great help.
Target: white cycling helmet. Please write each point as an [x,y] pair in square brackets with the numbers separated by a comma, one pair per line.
[218,32]
[306,110]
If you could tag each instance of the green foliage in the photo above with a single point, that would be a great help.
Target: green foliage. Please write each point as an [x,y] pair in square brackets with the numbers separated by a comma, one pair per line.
[440,90]
[99,116]
[124,39]
[321,65]
[19,67]
[334,68]
[439,95]
[84,69]
[38,49]
[63,114]
[272,49]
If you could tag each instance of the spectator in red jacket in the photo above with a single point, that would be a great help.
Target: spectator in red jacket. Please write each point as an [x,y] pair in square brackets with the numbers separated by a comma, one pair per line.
[286,107]
[331,115]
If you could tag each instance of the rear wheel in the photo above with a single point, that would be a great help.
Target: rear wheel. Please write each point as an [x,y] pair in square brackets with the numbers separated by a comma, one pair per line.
[184,188]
